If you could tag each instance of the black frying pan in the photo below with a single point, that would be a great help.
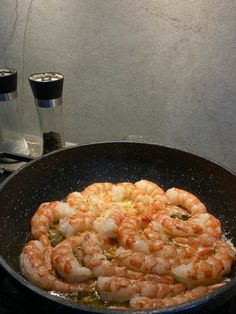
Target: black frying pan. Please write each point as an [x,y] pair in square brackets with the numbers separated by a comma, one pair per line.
[55,175]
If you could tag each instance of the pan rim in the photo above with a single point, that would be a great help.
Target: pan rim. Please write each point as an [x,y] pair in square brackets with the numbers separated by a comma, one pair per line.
[32,162]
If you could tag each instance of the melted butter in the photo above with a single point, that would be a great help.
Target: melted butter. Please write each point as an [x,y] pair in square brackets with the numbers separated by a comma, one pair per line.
[55,235]
[91,299]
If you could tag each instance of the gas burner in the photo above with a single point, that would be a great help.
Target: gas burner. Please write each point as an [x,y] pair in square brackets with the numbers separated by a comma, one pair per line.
[10,162]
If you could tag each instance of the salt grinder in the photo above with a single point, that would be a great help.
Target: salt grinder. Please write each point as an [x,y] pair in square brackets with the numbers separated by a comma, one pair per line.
[11,135]
[47,89]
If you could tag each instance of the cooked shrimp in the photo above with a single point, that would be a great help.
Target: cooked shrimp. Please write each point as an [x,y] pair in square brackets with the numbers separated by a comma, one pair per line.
[71,225]
[78,201]
[98,195]
[142,195]
[169,210]
[149,187]
[186,200]
[65,261]
[117,289]
[177,227]
[158,199]
[207,266]
[126,192]
[207,230]
[33,268]
[211,227]
[96,189]
[209,233]
[139,261]
[141,235]
[129,236]
[47,214]
[157,241]
[186,248]
[94,258]
[123,191]
[107,223]
[130,242]
[144,302]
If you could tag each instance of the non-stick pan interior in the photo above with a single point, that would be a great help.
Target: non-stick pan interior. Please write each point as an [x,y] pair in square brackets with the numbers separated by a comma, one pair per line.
[54,176]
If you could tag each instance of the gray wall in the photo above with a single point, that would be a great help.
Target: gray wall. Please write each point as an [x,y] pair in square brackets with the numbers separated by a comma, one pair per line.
[163,69]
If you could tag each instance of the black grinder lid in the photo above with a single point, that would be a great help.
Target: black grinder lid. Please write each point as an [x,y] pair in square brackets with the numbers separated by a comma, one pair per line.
[8,81]
[46,85]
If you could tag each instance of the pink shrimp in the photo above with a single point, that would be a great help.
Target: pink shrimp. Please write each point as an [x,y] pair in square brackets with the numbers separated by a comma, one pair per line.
[47,214]
[127,192]
[139,261]
[186,248]
[211,228]
[123,191]
[96,189]
[107,223]
[98,197]
[149,187]
[71,225]
[133,242]
[176,226]
[117,289]
[186,200]
[204,227]
[170,210]
[65,260]
[129,233]
[139,302]
[158,199]
[78,201]
[33,268]
[207,266]
[94,258]
[143,235]
[157,241]
[142,195]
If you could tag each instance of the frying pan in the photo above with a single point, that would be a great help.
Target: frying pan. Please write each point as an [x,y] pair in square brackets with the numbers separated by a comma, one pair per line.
[53,176]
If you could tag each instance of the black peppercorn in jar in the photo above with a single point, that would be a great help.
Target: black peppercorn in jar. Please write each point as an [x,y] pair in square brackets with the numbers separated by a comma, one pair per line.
[47,89]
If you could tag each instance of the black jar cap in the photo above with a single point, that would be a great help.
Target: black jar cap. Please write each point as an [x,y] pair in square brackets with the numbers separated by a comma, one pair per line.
[46,85]
[8,81]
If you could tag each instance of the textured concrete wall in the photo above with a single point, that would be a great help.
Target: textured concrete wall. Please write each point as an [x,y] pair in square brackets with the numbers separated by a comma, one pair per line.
[163,69]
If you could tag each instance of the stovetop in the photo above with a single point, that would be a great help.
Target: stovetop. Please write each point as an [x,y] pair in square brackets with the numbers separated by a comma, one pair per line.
[14,301]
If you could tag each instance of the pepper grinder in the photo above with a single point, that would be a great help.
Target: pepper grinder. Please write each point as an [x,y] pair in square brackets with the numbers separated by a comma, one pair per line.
[11,135]
[47,89]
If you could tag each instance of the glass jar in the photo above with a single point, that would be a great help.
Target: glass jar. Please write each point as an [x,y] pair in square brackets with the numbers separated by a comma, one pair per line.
[11,135]
[47,89]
